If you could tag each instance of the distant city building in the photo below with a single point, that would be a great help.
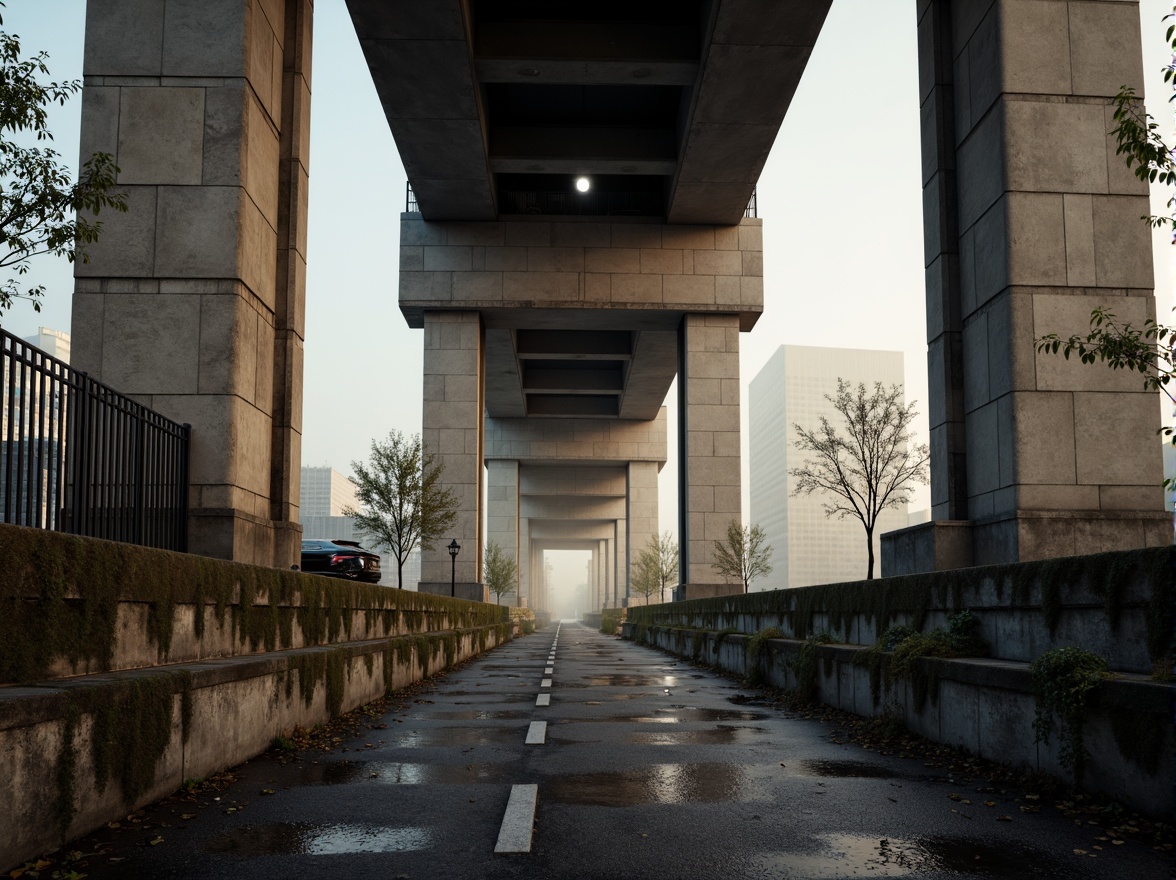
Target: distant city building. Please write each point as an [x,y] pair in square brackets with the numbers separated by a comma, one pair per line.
[324,495]
[918,517]
[54,343]
[325,492]
[808,547]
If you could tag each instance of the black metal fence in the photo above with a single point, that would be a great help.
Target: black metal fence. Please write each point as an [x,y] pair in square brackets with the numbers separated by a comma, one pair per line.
[76,456]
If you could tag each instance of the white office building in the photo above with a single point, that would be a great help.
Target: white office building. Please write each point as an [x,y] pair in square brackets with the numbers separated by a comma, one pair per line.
[325,492]
[808,547]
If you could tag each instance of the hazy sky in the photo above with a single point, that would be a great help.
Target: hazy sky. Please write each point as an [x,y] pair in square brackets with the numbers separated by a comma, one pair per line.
[840,197]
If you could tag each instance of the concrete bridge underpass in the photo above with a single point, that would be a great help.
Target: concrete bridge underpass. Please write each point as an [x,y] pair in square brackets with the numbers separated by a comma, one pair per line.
[554,320]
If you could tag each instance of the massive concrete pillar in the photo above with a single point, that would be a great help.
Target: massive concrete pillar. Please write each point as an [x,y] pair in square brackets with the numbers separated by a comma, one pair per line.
[709,476]
[502,521]
[452,430]
[1030,222]
[641,511]
[192,301]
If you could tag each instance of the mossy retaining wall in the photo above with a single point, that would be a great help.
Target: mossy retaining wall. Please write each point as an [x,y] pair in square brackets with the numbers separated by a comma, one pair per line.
[982,705]
[72,606]
[1119,605]
[126,670]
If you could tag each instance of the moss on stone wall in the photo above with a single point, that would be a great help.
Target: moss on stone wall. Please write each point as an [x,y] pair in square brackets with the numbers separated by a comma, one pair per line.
[60,598]
[910,598]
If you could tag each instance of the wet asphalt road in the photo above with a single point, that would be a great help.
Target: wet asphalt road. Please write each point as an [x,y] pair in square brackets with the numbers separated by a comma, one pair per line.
[649,769]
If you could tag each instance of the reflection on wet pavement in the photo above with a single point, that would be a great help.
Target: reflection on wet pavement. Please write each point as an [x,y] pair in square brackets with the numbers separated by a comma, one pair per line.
[715,737]
[656,784]
[847,769]
[397,773]
[843,855]
[317,840]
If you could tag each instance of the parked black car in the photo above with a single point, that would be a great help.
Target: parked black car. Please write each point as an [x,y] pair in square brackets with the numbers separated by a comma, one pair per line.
[341,559]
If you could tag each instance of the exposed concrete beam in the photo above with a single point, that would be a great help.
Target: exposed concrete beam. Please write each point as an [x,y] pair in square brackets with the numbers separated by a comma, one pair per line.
[420,59]
[647,41]
[559,71]
[755,55]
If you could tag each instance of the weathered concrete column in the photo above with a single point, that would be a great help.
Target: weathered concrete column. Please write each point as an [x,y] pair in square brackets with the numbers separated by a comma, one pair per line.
[641,509]
[709,476]
[526,563]
[452,429]
[192,301]
[502,520]
[1030,222]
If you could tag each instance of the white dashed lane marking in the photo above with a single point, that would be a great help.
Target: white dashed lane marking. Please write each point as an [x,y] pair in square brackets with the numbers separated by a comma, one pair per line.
[515,834]
[546,683]
[537,733]
[543,700]
[549,670]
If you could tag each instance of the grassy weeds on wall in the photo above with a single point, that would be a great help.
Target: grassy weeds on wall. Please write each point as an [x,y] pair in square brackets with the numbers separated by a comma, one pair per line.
[60,597]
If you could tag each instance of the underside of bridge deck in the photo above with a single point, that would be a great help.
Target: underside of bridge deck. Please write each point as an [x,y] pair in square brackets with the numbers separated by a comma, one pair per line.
[670,105]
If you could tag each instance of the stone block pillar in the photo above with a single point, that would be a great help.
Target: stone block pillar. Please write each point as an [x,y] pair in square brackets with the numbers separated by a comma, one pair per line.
[709,476]
[452,430]
[641,509]
[526,564]
[192,301]
[502,521]
[1030,222]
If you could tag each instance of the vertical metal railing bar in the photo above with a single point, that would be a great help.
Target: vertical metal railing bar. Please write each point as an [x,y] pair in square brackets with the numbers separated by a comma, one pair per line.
[36,456]
[9,396]
[21,430]
[77,456]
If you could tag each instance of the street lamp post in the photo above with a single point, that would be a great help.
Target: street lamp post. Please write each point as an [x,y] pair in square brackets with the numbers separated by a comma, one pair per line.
[454,549]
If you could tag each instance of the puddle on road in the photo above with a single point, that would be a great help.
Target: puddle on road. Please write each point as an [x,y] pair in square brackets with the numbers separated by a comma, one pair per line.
[656,784]
[845,855]
[303,839]
[680,714]
[398,773]
[455,736]
[847,769]
[479,716]
[713,737]
[633,681]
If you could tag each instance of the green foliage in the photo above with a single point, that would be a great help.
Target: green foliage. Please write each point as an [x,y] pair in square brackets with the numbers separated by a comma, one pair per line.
[500,570]
[865,465]
[743,555]
[804,666]
[611,620]
[897,654]
[1064,678]
[404,504]
[755,648]
[42,211]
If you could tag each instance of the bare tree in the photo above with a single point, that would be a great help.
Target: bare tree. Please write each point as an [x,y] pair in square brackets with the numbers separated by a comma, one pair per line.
[867,464]
[656,567]
[404,504]
[501,571]
[743,554]
[644,581]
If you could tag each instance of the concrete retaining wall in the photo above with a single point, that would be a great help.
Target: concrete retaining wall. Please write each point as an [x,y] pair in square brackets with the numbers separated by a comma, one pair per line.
[982,705]
[218,714]
[126,670]
[1118,605]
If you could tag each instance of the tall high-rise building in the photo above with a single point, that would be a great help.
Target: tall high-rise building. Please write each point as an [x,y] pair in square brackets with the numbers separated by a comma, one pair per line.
[808,547]
[325,492]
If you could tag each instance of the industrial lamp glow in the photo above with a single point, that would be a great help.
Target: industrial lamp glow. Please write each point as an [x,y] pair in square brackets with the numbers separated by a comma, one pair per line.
[583,184]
